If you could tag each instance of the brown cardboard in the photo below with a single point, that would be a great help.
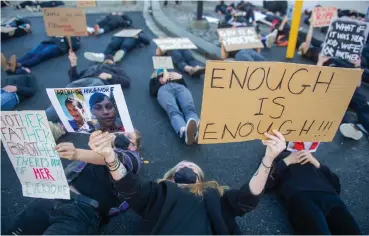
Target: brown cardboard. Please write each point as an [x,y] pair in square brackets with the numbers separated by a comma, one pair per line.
[174,43]
[235,39]
[304,102]
[322,16]
[162,62]
[128,33]
[89,3]
[7,29]
[65,22]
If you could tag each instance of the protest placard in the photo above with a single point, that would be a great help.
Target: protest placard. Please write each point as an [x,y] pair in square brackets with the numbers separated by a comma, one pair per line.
[128,33]
[234,39]
[90,3]
[87,109]
[242,100]
[7,29]
[174,43]
[345,39]
[65,22]
[28,140]
[322,16]
[162,62]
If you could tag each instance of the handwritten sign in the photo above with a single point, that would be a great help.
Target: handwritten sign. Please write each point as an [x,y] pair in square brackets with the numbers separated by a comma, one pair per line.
[90,3]
[162,62]
[235,39]
[28,140]
[79,109]
[65,22]
[242,100]
[128,33]
[322,16]
[345,39]
[174,43]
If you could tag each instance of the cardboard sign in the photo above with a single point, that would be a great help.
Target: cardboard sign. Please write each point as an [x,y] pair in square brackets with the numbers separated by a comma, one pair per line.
[235,39]
[28,140]
[162,62]
[7,29]
[80,109]
[174,43]
[345,39]
[243,100]
[128,33]
[322,16]
[65,22]
[90,3]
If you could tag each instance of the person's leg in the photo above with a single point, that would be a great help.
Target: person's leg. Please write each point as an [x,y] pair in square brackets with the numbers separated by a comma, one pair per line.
[167,100]
[34,219]
[187,55]
[360,105]
[186,103]
[305,216]
[8,100]
[73,218]
[178,60]
[114,45]
[46,52]
[256,56]
[243,55]
[31,53]
[341,222]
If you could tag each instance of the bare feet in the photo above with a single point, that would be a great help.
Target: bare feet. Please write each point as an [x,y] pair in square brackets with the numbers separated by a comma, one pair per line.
[12,63]
[96,29]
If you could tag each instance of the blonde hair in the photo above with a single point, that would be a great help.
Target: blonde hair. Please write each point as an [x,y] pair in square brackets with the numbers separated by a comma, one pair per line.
[196,188]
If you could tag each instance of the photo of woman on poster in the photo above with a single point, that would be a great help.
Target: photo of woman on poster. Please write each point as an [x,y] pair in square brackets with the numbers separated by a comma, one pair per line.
[76,110]
[104,113]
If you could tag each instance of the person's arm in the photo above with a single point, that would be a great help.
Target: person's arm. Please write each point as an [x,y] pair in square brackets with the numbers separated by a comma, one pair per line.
[331,177]
[72,72]
[120,77]
[223,53]
[241,201]
[30,88]
[154,86]
[308,38]
[127,20]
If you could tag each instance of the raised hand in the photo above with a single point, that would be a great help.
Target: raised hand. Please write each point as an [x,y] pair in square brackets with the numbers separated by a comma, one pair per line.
[274,145]
[66,151]
[101,143]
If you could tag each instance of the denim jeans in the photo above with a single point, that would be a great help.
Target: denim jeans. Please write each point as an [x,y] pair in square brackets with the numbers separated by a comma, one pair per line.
[56,217]
[177,101]
[320,213]
[182,58]
[8,100]
[248,55]
[360,106]
[120,43]
[40,53]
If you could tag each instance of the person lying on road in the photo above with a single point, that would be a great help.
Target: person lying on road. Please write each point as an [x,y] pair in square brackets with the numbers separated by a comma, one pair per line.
[109,23]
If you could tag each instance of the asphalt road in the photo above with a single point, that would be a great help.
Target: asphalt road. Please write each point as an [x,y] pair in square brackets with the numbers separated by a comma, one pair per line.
[230,164]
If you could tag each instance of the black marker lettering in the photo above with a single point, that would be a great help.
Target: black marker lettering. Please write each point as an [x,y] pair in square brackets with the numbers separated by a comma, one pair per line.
[279,86]
[280,115]
[238,80]
[261,107]
[206,127]
[213,78]
[304,85]
[267,130]
[288,130]
[306,130]
[248,82]
[251,129]
[226,128]
[318,82]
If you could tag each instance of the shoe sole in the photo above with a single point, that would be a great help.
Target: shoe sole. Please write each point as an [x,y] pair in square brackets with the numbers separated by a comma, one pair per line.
[92,57]
[198,72]
[350,132]
[191,129]
[118,56]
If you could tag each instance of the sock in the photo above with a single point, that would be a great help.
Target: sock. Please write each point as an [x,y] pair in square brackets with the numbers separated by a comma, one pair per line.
[90,30]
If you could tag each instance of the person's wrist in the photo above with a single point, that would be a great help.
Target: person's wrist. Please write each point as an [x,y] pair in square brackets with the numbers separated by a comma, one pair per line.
[267,161]
[110,158]
[287,161]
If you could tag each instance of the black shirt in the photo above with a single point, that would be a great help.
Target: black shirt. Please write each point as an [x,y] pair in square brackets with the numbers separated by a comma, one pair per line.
[26,84]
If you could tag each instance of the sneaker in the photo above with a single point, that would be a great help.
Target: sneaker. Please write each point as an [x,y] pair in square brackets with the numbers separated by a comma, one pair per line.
[4,63]
[191,129]
[197,71]
[29,8]
[97,57]
[197,132]
[57,130]
[12,63]
[270,38]
[118,56]
[350,131]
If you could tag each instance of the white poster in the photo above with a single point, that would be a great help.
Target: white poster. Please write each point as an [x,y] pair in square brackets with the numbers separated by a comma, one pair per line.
[87,109]
[28,140]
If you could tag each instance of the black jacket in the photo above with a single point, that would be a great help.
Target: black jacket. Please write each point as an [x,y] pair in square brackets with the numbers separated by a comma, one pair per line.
[26,84]
[119,76]
[288,180]
[157,203]
[62,43]
[19,24]
[155,85]
[116,21]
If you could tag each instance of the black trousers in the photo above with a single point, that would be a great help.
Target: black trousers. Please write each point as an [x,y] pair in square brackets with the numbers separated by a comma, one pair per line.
[320,213]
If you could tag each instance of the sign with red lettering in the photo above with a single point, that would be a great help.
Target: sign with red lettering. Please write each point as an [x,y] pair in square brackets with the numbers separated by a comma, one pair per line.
[62,22]
[89,3]
[322,16]
[243,100]
[28,140]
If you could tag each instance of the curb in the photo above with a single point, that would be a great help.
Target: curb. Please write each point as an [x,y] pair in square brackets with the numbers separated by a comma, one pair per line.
[205,48]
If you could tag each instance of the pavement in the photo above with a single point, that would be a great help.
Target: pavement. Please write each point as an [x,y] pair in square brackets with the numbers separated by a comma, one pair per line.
[230,164]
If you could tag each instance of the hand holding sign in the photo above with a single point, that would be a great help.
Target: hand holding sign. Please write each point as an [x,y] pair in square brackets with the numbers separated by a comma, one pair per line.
[274,145]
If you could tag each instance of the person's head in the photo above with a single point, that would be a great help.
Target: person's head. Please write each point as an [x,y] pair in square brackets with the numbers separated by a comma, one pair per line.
[74,108]
[127,140]
[221,2]
[103,109]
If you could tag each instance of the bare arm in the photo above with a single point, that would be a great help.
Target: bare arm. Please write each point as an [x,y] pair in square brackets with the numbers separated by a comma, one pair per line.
[68,151]
[284,21]
[309,36]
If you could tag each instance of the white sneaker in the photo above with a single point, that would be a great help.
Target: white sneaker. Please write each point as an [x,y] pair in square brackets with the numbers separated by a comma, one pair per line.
[97,57]
[350,131]
[191,129]
[118,56]
[270,38]
[57,130]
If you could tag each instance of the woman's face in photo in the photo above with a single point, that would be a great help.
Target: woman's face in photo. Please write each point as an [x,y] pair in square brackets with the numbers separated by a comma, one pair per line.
[104,112]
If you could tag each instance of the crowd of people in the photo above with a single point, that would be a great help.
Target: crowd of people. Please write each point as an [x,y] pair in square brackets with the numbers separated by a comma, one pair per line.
[105,180]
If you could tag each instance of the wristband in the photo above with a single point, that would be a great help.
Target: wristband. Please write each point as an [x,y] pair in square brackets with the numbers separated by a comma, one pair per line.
[268,167]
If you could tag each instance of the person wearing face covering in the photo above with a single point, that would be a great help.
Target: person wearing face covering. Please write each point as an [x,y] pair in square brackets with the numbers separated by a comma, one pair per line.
[183,202]
[93,197]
